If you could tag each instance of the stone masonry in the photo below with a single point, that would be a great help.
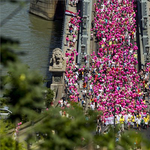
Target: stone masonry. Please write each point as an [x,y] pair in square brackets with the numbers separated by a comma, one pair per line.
[47,9]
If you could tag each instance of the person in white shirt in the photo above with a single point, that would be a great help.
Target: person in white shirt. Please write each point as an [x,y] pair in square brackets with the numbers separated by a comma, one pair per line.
[117,119]
[129,37]
[129,115]
[103,7]
[74,41]
[126,118]
[92,106]
[91,88]
[119,1]
[61,103]
[107,121]
[138,122]
[111,120]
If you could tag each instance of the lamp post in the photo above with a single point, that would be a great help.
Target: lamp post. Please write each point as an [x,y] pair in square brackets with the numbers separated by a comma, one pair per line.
[144,20]
[84,21]
[82,53]
[147,49]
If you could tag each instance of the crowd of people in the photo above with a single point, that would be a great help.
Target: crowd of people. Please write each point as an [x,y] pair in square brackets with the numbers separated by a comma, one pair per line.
[111,83]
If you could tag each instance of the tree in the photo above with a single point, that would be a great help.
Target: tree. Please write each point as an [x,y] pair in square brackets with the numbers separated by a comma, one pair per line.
[6,141]
[49,97]
[65,133]
[23,91]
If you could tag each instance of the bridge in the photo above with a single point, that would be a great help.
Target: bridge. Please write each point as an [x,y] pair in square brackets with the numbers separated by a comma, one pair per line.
[48,9]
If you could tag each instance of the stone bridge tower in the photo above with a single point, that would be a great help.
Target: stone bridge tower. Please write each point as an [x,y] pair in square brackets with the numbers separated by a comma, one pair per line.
[48,9]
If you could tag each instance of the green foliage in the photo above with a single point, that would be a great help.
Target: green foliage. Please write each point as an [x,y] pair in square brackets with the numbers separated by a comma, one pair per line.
[6,50]
[62,133]
[128,140]
[6,141]
[23,91]
[2,101]
[106,140]
[22,88]
[49,97]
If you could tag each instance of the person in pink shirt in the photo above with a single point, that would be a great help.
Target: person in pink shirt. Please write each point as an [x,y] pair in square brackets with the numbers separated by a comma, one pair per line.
[67,40]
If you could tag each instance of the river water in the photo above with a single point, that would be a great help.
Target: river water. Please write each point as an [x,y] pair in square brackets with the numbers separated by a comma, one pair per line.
[38,37]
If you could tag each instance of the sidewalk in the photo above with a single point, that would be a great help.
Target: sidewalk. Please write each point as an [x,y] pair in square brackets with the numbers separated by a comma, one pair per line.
[66,48]
[93,44]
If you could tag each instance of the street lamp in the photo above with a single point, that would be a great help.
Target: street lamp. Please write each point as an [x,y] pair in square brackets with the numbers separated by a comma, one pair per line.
[147,48]
[82,52]
[144,22]
[84,21]
[142,66]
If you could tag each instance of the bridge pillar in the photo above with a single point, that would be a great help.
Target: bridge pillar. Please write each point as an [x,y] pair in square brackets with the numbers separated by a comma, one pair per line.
[57,68]
[48,9]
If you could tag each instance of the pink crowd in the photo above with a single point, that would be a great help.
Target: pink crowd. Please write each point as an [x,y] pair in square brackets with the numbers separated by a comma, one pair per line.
[112,82]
